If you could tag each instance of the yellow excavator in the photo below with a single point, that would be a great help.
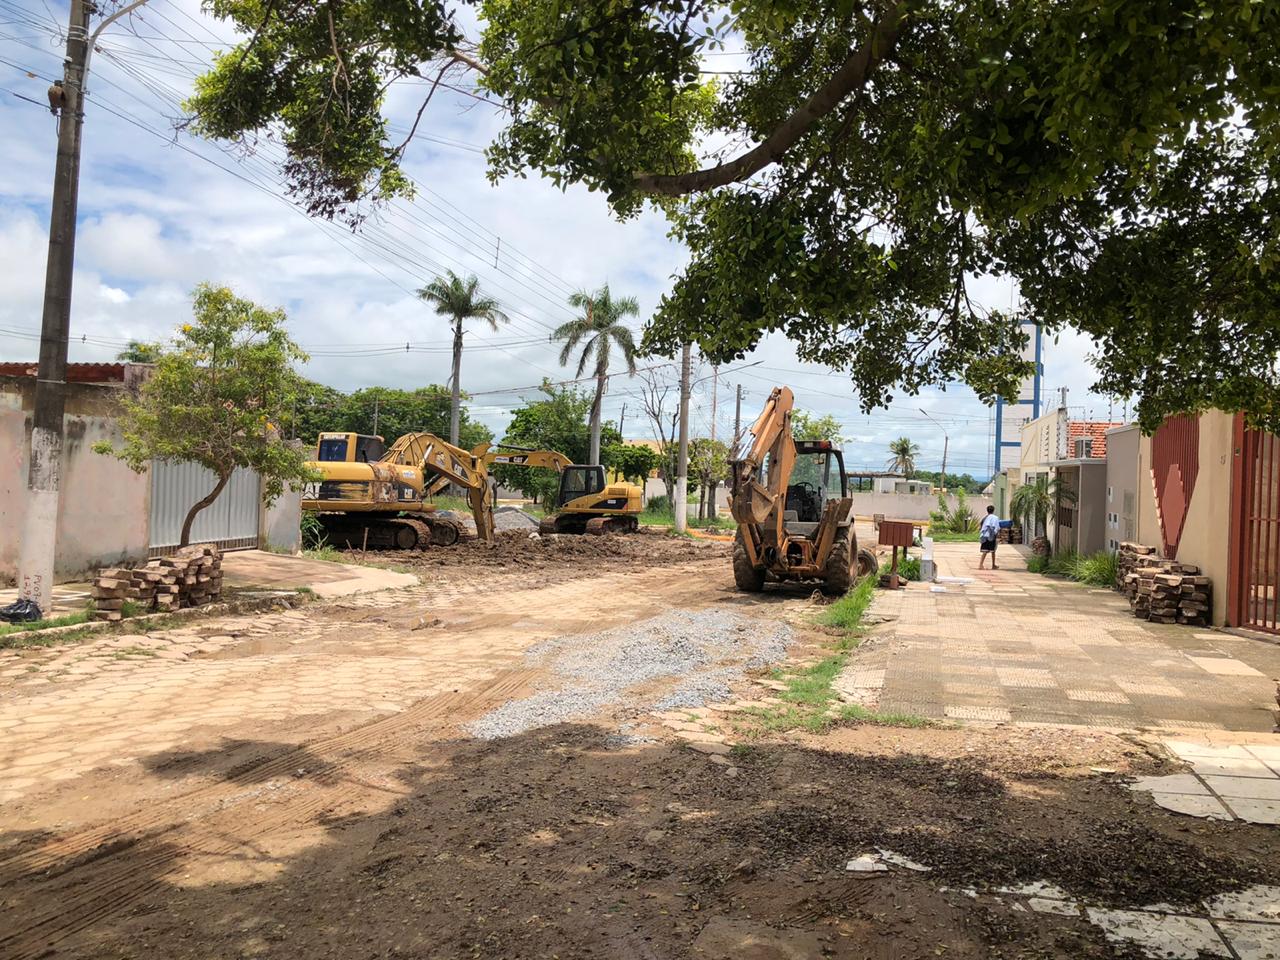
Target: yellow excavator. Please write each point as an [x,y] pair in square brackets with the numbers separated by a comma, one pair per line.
[385,503]
[791,501]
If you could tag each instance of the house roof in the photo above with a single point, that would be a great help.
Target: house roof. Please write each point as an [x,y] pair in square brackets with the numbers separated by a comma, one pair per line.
[76,372]
[1095,430]
[874,474]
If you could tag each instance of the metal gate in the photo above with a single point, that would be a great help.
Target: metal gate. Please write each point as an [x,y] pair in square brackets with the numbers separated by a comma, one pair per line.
[1255,556]
[231,521]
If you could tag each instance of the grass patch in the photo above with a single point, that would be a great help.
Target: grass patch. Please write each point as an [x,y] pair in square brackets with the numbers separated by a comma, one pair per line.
[808,700]
[950,536]
[327,553]
[1097,569]
[81,616]
[128,652]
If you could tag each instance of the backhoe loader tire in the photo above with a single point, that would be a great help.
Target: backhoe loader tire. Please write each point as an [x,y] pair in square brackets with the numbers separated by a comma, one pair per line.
[748,577]
[838,574]
[868,565]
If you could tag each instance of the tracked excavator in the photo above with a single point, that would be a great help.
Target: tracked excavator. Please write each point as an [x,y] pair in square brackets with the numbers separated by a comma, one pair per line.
[385,503]
[791,501]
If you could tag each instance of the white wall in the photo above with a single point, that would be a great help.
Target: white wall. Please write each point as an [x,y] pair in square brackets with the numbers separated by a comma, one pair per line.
[905,506]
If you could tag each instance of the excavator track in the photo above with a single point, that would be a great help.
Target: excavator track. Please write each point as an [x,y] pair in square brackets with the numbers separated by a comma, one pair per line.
[441,532]
[599,526]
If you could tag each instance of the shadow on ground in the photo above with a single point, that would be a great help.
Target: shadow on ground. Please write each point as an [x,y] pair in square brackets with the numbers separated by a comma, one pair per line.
[552,844]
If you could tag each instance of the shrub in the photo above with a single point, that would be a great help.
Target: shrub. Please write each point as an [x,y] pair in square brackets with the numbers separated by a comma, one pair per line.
[658,504]
[1037,564]
[1098,569]
[909,567]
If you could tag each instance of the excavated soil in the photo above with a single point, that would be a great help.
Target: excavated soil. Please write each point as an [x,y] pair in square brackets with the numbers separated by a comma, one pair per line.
[552,843]
[516,549]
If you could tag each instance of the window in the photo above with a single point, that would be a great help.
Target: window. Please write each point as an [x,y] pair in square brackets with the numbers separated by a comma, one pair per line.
[333,450]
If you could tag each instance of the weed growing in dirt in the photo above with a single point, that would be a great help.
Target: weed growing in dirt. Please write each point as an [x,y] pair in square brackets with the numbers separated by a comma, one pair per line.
[26,639]
[327,552]
[128,652]
[807,701]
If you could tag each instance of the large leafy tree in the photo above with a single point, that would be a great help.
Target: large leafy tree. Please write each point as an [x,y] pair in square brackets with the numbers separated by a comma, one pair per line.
[632,461]
[1117,158]
[461,300]
[221,397]
[138,351]
[594,334]
[811,426]
[555,421]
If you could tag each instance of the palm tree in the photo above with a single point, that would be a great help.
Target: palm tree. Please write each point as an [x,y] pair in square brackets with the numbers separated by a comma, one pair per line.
[460,299]
[904,456]
[1035,502]
[599,327]
[139,352]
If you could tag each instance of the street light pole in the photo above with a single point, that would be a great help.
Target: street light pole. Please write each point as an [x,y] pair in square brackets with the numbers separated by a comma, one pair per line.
[946,442]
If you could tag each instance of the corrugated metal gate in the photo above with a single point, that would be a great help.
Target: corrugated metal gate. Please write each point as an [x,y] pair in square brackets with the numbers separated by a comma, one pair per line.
[231,521]
[1255,557]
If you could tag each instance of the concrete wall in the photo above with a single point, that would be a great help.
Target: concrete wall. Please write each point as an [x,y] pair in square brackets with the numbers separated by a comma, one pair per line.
[905,506]
[1043,440]
[1122,485]
[1205,534]
[281,523]
[102,517]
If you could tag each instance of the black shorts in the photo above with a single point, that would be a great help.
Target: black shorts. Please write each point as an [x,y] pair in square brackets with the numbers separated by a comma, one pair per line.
[988,546]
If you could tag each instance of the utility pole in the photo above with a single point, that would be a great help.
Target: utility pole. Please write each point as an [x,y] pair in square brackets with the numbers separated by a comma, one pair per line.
[682,461]
[622,419]
[946,441]
[715,392]
[375,415]
[44,464]
[737,419]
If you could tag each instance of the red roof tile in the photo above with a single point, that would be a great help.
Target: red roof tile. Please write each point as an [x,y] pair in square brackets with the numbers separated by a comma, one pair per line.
[1095,430]
[76,372]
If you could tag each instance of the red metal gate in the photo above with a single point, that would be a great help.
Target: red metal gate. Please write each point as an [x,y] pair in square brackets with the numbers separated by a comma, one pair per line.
[1256,521]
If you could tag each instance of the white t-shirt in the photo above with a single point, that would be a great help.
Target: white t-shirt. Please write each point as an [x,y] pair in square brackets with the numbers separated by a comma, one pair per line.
[990,527]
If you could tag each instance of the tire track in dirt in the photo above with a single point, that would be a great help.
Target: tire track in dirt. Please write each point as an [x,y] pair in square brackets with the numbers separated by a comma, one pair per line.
[122,873]
[77,880]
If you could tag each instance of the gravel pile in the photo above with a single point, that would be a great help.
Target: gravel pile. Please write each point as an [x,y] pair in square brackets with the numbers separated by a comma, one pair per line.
[702,651]
[513,518]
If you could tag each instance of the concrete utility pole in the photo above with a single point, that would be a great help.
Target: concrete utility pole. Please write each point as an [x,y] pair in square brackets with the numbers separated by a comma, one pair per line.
[682,461]
[44,461]
[715,392]
[737,419]
[44,464]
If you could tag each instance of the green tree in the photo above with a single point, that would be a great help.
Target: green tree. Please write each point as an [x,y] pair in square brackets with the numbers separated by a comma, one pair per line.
[1116,158]
[807,426]
[396,412]
[557,421]
[138,351]
[708,467]
[596,331]
[460,300]
[903,459]
[631,461]
[222,398]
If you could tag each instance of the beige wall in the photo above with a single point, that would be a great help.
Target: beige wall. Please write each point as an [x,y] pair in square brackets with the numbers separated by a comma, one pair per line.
[103,512]
[1122,485]
[1206,532]
[1043,440]
[906,506]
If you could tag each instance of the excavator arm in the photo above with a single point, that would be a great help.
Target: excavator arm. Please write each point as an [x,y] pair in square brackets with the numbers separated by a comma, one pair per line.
[759,486]
[523,457]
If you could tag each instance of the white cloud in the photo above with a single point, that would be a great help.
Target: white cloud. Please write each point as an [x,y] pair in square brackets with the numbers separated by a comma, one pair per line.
[156,218]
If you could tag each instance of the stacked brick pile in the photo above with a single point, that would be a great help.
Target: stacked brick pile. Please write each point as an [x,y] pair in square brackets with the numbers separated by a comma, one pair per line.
[1166,591]
[1130,556]
[189,578]
[1011,534]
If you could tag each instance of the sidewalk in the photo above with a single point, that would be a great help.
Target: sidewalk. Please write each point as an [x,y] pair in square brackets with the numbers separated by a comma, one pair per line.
[1013,646]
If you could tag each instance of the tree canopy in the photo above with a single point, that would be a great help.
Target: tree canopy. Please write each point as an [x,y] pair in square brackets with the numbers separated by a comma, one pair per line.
[556,421]
[220,397]
[382,410]
[1116,158]
[811,426]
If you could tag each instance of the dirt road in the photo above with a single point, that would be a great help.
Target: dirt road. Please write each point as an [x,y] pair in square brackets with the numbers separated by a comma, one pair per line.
[305,785]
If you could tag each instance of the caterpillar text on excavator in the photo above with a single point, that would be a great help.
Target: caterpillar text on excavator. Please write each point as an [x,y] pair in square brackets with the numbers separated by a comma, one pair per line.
[371,496]
[791,501]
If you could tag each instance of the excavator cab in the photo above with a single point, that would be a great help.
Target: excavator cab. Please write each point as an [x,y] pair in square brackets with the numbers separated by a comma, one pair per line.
[349,448]
[579,481]
[817,476]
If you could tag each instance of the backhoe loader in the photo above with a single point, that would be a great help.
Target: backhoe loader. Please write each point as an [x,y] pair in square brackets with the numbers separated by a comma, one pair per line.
[386,503]
[791,501]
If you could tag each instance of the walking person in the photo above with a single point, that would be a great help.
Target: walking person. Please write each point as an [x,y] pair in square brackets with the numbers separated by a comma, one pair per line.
[988,534]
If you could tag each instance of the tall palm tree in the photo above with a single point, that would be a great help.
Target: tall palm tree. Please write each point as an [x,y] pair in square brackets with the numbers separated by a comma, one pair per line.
[904,456]
[597,330]
[461,300]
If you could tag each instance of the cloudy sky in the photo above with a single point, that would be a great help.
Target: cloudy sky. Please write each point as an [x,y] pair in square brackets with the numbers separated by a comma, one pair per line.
[161,211]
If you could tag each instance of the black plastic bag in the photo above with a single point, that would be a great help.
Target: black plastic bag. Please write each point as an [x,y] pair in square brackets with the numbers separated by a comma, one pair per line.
[20,611]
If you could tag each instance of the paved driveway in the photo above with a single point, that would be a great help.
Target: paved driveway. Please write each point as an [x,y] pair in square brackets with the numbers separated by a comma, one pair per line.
[1015,646]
